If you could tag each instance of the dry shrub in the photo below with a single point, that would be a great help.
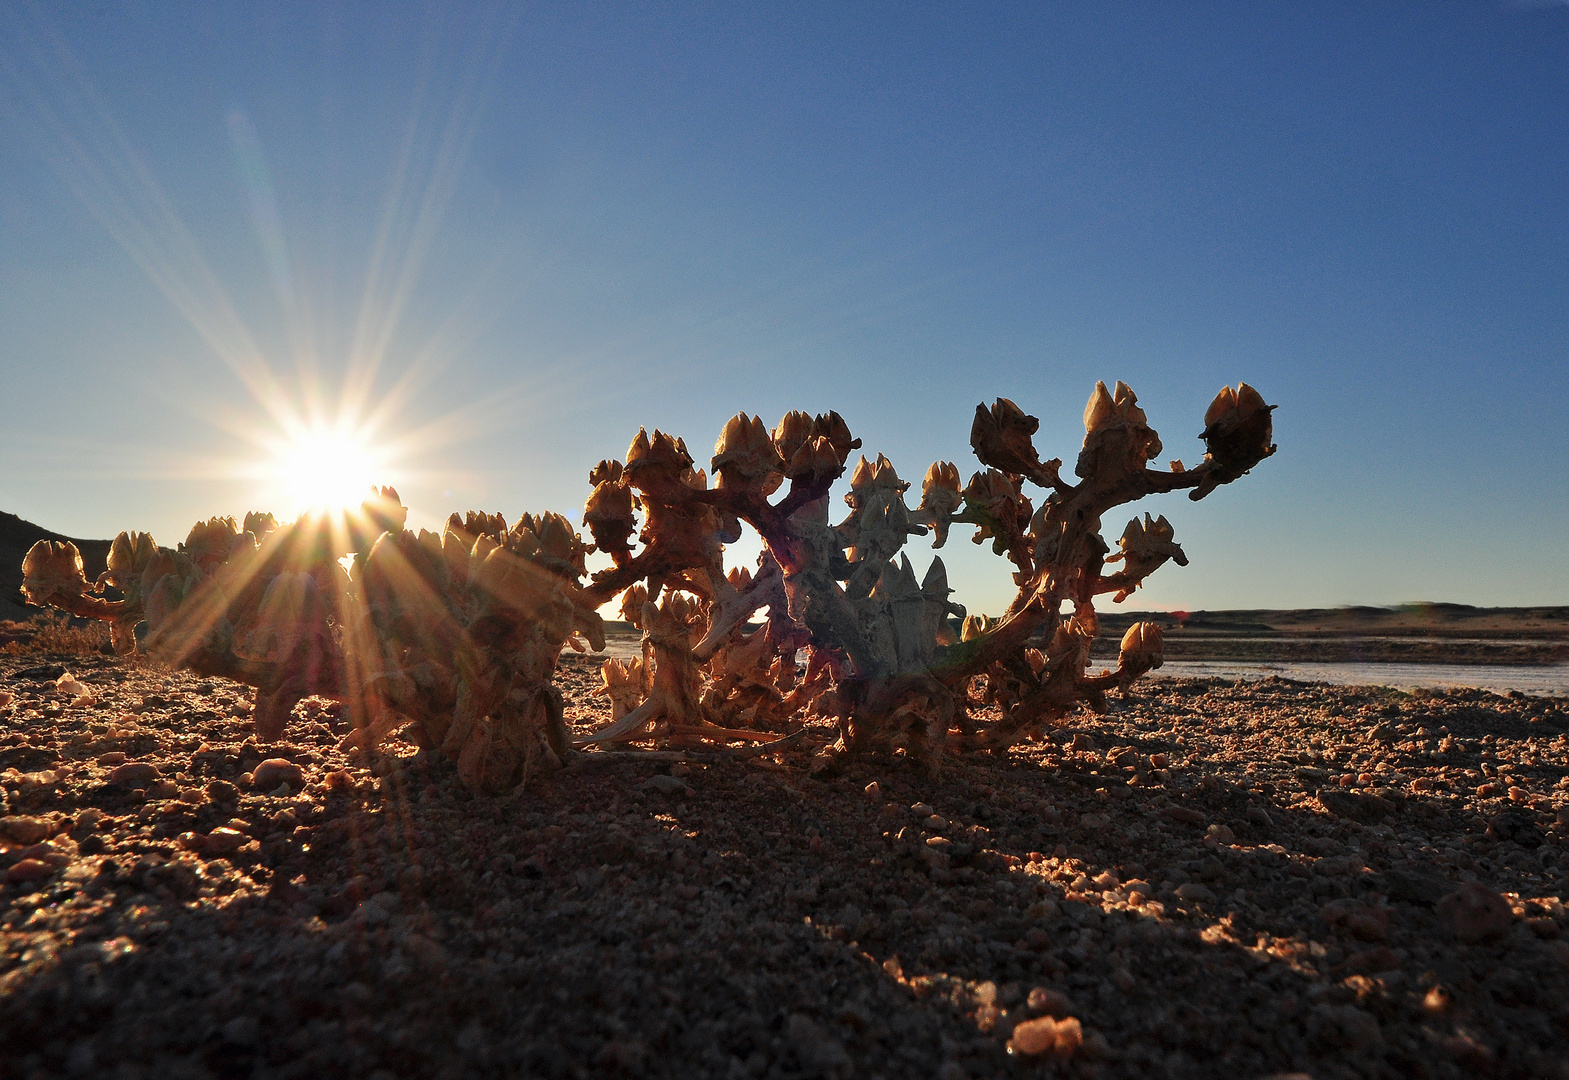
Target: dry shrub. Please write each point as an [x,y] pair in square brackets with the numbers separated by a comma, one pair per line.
[54,633]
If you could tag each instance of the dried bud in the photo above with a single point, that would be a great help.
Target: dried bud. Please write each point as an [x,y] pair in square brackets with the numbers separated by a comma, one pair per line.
[623,685]
[431,542]
[129,555]
[1118,438]
[492,524]
[405,577]
[52,568]
[678,621]
[941,486]
[879,475]
[1117,409]
[831,426]
[995,501]
[211,542]
[1141,646]
[791,433]
[816,460]
[560,548]
[940,489]
[632,602]
[385,510]
[523,541]
[1100,410]
[1145,547]
[1001,438]
[606,472]
[862,476]
[609,517]
[483,546]
[657,464]
[974,626]
[940,499]
[1237,432]
[745,455]
[171,564]
[884,476]
[259,524]
[1225,402]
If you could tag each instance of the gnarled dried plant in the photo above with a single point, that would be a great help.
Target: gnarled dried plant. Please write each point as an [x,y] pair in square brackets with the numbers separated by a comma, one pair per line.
[454,638]
[881,653]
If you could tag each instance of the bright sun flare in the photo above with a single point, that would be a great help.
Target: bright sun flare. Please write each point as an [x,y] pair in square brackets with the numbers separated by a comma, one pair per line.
[325,470]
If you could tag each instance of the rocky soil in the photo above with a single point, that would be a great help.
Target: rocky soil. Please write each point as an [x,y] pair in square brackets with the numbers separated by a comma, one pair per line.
[1215,879]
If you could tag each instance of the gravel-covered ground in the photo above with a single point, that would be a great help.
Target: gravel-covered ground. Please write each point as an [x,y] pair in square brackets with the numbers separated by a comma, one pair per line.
[1214,880]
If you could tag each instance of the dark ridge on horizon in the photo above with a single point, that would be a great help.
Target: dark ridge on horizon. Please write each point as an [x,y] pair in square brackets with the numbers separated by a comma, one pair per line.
[16,536]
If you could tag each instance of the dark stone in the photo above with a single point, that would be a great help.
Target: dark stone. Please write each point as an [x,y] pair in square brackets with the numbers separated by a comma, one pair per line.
[1415,887]
[1349,804]
[1515,828]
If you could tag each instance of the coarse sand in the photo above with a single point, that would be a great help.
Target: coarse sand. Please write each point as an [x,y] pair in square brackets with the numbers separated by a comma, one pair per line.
[1212,880]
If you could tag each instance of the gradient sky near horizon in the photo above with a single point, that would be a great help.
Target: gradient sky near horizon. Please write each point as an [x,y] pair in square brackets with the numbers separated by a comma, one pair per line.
[490,242]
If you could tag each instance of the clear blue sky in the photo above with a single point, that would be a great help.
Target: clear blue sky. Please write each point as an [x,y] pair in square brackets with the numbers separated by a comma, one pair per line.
[500,239]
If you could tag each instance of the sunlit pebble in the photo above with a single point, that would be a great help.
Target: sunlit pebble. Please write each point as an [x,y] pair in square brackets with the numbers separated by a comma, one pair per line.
[134,772]
[275,771]
[24,830]
[28,870]
[1046,1035]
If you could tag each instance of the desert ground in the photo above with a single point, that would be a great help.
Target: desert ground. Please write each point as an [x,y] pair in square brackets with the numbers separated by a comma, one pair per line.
[1248,879]
[1213,879]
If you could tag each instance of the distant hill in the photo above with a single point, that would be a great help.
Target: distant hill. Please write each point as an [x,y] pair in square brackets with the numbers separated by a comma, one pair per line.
[1400,619]
[16,536]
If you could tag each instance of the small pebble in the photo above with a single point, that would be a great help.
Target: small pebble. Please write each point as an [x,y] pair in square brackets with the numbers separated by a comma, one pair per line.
[1475,913]
[28,870]
[134,772]
[274,771]
[668,786]
[24,830]
[1044,1002]
[1194,893]
[1046,1035]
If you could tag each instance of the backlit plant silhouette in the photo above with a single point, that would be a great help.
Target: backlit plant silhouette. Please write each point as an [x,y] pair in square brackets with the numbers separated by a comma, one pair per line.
[454,638]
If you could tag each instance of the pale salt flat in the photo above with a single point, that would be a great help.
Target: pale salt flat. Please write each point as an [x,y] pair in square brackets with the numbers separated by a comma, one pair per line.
[1527,678]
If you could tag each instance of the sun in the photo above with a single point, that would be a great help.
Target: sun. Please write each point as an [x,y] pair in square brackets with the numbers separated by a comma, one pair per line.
[324,469]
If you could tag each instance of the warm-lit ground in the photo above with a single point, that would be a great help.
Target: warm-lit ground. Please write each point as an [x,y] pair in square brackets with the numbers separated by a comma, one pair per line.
[1229,909]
